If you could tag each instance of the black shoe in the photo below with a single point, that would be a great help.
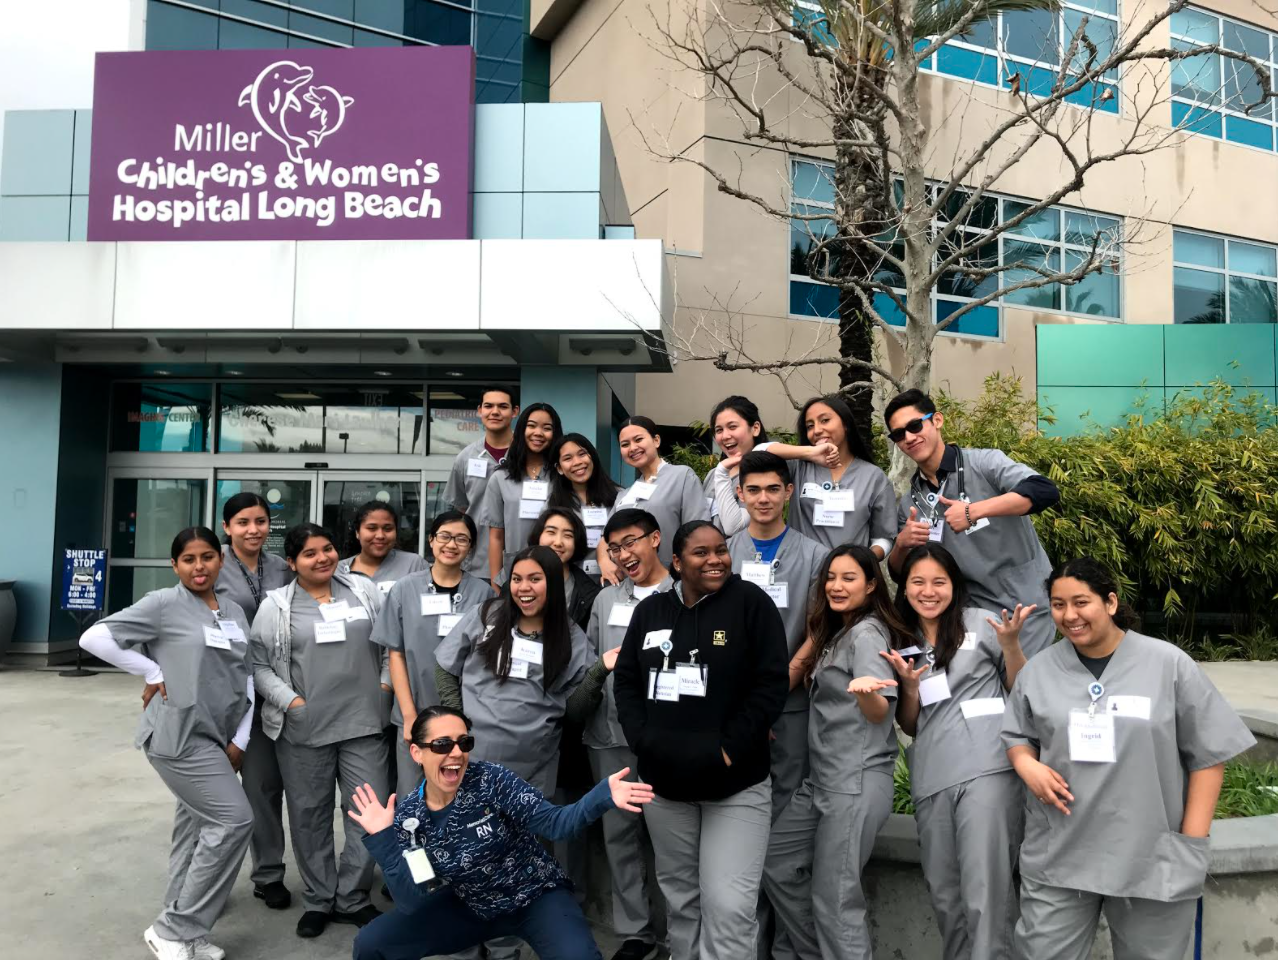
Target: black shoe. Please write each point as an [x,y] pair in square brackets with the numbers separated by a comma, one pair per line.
[312,923]
[360,917]
[386,892]
[635,950]
[275,895]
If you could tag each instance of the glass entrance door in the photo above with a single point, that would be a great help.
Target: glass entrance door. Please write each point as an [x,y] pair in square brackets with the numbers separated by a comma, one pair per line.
[291,495]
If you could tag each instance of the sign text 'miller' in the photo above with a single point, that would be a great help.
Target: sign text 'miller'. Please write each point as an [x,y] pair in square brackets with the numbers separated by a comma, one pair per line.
[278,145]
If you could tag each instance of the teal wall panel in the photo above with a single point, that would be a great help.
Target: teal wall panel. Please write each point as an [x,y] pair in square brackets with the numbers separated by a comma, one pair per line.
[30,413]
[1236,353]
[1081,409]
[561,216]
[80,154]
[561,146]
[572,391]
[37,153]
[1082,355]
[499,148]
[35,218]
[498,216]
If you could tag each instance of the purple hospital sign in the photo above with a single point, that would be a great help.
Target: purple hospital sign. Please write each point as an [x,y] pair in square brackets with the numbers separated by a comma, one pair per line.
[304,144]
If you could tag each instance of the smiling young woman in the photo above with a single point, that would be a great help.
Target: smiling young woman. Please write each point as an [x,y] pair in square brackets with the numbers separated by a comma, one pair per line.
[376,532]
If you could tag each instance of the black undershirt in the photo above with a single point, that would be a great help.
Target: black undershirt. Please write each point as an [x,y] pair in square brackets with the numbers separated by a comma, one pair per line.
[1095,665]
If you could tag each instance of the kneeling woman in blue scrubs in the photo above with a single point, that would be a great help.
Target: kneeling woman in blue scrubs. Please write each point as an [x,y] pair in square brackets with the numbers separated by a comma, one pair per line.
[461,855]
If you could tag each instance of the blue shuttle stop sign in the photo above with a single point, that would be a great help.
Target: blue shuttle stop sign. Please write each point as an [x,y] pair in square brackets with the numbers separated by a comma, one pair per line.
[84,580]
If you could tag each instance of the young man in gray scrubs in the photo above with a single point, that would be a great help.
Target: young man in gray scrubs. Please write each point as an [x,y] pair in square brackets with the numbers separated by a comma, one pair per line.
[978,504]
[468,478]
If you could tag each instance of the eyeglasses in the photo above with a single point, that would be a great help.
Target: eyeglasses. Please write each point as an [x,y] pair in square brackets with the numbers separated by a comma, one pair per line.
[444,745]
[614,550]
[914,426]
[459,538]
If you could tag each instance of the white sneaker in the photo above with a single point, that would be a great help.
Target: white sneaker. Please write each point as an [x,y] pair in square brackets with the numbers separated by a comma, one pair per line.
[204,950]
[167,949]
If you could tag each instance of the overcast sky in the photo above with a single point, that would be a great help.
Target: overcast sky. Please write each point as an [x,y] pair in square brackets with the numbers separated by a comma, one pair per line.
[47,48]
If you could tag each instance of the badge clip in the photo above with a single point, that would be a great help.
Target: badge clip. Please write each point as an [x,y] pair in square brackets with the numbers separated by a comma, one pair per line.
[666,647]
[1095,690]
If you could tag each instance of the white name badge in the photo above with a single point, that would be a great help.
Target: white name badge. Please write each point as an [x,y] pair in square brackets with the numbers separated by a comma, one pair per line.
[969,642]
[812,491]
[385,586]
[936,532]
[527,650]
[356,613]
[982,707]
[436,604]
[231,630]
[692,682]
[654,638]
[332,632]
[980,524]
[841,500]
[1135,707]
[620,616]
[447,622]
[594,516]
[519,669]
[530,509]
[667,686]
[592,536]
[476,467]
[590,566]
[418,863]
[332,612]
[934,689]
[642,490]
[535,490]
[780,594]
[907,652]
[1091,739]
[754,572]
[823,516]
[213,637]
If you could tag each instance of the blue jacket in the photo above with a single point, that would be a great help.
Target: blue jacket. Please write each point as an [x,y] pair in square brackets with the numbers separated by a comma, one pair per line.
[486,850]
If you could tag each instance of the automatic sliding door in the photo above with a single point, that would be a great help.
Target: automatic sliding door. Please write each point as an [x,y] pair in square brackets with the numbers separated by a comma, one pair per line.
[289,493]
[344,493]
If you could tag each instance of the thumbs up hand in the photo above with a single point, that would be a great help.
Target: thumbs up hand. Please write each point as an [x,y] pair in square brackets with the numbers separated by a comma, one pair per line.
[914,533]
[956,512]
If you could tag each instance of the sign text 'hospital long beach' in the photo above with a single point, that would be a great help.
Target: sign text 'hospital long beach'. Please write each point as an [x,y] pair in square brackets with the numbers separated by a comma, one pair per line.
[270,145]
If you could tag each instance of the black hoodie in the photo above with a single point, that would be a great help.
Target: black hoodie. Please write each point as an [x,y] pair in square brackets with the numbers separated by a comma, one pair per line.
[738,634]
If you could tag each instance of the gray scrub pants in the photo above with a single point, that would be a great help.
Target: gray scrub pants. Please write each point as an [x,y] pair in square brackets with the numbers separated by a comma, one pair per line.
[624,843]
[709,857]
[789,768]
[1060,924]
[309,776]
[969,838]
[211,832]
[819,846]
[264,787]
[408,772]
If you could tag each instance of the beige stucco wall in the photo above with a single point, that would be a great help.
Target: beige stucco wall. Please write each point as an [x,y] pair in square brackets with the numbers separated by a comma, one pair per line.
[729,260]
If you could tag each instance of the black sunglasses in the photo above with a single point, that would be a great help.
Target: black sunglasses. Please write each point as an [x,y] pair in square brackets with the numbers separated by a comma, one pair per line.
[444,745]
[914,426]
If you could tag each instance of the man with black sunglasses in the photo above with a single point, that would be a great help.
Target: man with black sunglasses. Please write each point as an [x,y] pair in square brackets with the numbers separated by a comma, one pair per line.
[978,504]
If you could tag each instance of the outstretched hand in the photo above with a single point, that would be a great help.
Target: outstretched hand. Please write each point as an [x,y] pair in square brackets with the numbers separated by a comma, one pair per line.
[1008,629]
[869,684]
[904,668]
[369,812]
[626,794]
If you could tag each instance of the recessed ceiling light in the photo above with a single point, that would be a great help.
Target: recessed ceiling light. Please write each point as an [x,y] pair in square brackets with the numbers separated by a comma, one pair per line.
[381,373]
[298,396]
[236,373]
[162,373]
[453,373]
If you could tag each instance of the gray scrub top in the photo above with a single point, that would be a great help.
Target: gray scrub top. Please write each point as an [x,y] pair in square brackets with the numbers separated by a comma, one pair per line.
[516,723]
[401,626]
[1004,563]
[501,512]
[207,686]
[797,564]
[873,495]
[948,748]
[604,728]
[466,493]
[340,682]
[233,582]
[842,743]
[396,565]
[590,563]
[1122,837]
[678,499]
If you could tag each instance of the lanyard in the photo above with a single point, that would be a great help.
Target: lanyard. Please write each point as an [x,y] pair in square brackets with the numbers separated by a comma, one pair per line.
[254,588]
[930,510]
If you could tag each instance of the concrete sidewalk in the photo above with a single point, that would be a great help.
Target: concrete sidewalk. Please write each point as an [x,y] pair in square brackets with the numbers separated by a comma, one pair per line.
[85,841]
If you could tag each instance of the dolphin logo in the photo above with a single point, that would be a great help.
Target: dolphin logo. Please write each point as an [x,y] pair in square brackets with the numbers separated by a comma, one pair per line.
[330,107]
[273,95]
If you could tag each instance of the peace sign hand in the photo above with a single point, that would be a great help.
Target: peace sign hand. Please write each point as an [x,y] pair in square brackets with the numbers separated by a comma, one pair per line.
[869,684]
[904,668]
[626,794]
[369,813]
[1008,629]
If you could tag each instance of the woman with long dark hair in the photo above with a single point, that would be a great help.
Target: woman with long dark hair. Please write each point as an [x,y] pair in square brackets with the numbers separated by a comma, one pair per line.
[518,489]
[191,647]
[670,492]
[823,838]
[967,801]
[1121,741]
[580,482]
[375,554]
[851,502]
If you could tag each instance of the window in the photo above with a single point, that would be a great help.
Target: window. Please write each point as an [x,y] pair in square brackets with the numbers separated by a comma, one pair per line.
[1210,93]
[320,418]
[1058,238]
[1221,280]
[161,417]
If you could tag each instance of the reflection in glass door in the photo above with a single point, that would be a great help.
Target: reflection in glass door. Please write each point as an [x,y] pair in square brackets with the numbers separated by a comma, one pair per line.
[345,493]
[289,495]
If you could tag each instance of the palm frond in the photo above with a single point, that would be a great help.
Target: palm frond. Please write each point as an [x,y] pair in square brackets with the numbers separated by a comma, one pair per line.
[934,17]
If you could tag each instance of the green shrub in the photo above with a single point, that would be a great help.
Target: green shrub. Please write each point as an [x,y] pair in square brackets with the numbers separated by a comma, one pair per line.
[1250,790]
